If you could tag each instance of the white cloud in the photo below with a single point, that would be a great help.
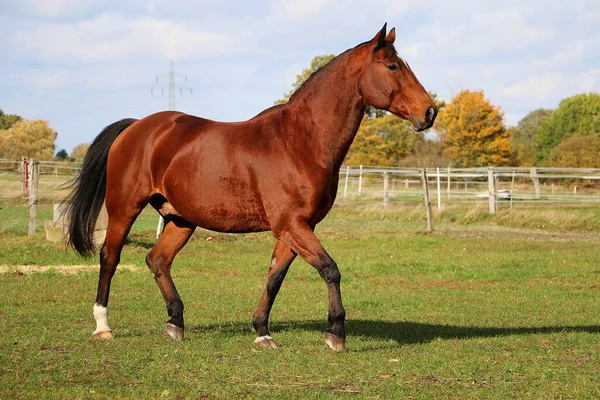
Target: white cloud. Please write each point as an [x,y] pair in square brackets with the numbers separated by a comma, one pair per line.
[110,37]
[90,55]
[289,10]
[57,8]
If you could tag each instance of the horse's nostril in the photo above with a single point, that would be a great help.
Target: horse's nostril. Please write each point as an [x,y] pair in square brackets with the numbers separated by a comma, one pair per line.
[430,114]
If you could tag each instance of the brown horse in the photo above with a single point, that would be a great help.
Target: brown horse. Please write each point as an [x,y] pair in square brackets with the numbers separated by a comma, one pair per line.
[278,171]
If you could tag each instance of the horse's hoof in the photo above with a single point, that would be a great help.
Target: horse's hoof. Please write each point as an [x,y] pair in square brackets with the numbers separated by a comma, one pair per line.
[265,341]
[335,343]
[103,335]
[174,331]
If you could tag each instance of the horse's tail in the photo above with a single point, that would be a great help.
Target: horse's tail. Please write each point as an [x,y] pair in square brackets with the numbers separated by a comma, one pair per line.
[89,190]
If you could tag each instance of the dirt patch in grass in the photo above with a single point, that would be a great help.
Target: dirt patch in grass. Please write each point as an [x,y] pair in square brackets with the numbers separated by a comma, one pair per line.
[63,269]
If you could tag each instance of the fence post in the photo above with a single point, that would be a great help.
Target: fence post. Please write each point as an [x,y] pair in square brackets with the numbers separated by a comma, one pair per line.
[160,226]
[439,189]
[346,180]
[25,174]
[360,179]
[492,190]
[536,182]
[386,193]
[427,200]
[33,196]
[512,189]
[448,191]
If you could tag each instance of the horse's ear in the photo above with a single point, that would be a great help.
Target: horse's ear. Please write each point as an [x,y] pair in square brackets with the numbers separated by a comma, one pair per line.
[391,37]
[379,40]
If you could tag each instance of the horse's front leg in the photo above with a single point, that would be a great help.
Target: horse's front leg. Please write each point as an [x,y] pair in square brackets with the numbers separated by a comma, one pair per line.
[301,238]
[280,262]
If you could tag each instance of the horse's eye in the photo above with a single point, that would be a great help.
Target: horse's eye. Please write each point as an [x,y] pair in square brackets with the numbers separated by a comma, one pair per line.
[393,67]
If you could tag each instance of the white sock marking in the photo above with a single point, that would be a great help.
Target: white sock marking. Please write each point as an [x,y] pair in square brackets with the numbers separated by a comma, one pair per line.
[262,338]
[101,317]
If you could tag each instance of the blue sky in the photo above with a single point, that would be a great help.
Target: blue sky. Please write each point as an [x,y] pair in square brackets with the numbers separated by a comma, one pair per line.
[82,64]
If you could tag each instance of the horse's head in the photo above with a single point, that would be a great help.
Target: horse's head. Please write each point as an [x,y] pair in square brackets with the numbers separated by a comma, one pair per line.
[389,84]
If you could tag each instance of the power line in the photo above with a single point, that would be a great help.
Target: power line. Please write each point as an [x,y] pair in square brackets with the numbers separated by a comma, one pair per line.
[172,87]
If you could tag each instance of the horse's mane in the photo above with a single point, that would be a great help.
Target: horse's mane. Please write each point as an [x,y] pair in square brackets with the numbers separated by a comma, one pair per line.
[389,49]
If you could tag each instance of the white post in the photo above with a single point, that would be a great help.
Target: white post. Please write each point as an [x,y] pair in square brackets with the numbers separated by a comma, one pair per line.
[33,196]
[386,183]
[427,200]
[448,190]
[346,180]
[360,179]
[439,189]
[536,182]
[512,188]
[160,226]
[492,190]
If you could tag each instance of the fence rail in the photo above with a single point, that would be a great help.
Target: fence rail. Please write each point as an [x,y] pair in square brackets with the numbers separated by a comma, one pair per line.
[495,186]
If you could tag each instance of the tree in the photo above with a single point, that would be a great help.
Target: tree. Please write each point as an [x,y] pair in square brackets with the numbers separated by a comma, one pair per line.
[61,155]
[472,131]
[576,115]
[368,148]
[79,151]
[8,120]
[426,154]
[383,141]
[316,63]
[523,137]
[29,138]
[576,151]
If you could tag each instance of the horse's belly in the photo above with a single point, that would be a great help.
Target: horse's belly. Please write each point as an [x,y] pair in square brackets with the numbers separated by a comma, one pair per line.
[225,219]
[220,211]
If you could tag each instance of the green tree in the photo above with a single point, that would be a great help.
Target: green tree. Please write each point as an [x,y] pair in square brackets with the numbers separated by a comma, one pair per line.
[576,151]
[8,120]
[79,151]
[576,115]
[472,131]
[61,155]
[316,63]
[523,137]
[29,138]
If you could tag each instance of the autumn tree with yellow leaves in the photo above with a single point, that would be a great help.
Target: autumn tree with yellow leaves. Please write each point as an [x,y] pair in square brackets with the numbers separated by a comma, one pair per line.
[28,138]
[472,132]
[383,141]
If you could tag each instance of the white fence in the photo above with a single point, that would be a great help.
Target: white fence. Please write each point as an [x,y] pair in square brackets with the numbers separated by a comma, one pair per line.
[472,185]
[33,181]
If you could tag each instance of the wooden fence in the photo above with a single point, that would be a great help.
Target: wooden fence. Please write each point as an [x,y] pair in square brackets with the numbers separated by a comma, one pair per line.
[30,181]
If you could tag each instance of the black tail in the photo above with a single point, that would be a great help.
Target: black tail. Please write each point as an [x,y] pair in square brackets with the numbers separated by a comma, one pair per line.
[87,197]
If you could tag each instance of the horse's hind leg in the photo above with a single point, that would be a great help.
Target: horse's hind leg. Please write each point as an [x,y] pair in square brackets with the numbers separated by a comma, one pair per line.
[280,262]
[110,255]
[175,235]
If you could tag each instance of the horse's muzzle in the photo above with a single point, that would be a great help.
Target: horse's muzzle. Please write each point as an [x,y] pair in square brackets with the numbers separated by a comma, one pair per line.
[430,115]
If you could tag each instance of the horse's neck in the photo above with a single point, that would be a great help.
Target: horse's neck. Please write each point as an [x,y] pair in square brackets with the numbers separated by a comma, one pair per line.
[329,109]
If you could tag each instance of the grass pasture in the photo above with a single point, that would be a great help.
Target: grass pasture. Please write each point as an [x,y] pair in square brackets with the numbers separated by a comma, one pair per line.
[491,308]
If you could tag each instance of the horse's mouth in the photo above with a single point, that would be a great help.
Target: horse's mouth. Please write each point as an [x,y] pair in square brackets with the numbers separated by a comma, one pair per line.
[418,125]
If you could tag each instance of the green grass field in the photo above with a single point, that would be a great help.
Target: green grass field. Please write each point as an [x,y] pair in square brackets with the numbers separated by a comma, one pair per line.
[485,307]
